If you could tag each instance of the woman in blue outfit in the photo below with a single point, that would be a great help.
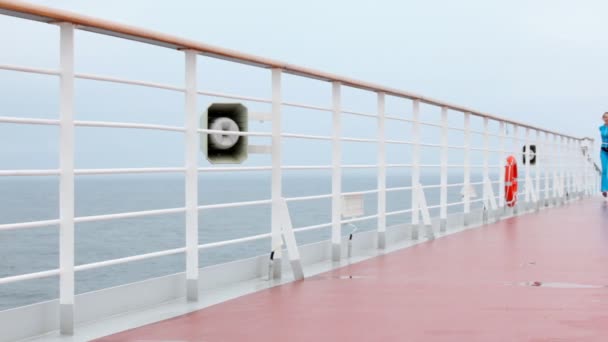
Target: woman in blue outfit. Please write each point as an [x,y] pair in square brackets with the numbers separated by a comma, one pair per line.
[604,154]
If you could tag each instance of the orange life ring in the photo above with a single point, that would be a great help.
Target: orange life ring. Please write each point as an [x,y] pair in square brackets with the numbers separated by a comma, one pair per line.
[511,181]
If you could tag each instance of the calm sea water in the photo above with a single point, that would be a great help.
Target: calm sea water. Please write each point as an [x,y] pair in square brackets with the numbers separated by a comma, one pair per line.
[33,250]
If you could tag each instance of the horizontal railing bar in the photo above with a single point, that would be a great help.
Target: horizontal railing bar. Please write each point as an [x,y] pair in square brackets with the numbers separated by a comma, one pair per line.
[46,14]
[359,166]
[359,139]
[131,214]
[452,128]
[364,192]
[313,227]
[426,123]
[305,106]
[431,186]
[398,212]
[129,82]
[401,188]
[29,121]
[358,219]
[428,144]
[397,118]
[306,136]
[129,259]
[128,125]
[454,203]
[233,204]
[235,168]
[19,173]
[234,241]
[29,276]
[402,142]
[398,165]
[29,69]
[360,113]
[129,170]
[251,134]
[26,225]
[307,198]
[233,96]
[306,167]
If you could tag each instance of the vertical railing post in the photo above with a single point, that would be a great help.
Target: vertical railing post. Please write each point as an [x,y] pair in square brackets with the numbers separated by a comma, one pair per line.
[546,166]
[571,169]
[528,167]
[537,169]
[566,168]
[595,185]
[467,168]
[277,190]
[66,180]
[586,166]
[336,173]
[501,162]
[579,165]
[192,144]
[517,155]
[555,167]
[486,168]
[381,173]
[584,170]
[443,196]
[415,166]
[564,165]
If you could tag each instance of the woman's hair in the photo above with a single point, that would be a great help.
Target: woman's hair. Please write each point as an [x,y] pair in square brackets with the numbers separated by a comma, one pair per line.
[605,113]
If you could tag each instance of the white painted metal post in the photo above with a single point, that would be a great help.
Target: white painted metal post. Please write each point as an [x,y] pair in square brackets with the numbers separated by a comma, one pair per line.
[547,166]
[381,174]
[573,169]
[517,154]
[537,169]
[336,174]
[277,191]
[467,168]
[192,146]
[562,158]
[586,166]
[415,166]
[528,168]
[585,169]
[555,167]
[566,169]
[66,180]
[580,167]
[486,156]
[443,196]
[502,154]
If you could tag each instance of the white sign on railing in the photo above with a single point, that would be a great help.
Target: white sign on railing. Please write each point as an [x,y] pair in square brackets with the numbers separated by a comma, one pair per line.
[352,205]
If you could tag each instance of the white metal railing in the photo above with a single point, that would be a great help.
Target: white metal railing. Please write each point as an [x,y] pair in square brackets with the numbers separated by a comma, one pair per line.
[568,171]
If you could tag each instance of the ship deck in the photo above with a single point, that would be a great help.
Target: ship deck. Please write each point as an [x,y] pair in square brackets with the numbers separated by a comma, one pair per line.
[535,277]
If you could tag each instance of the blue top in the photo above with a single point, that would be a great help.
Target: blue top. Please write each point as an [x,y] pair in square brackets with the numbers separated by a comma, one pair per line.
[604,133]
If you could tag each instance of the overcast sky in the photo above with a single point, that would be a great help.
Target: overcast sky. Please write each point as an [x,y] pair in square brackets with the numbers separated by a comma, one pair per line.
[542,61]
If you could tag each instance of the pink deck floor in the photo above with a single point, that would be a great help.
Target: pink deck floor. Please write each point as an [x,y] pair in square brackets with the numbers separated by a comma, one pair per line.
[478,285]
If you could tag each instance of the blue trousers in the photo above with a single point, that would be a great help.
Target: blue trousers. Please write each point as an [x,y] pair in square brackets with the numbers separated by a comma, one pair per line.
[604,158]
